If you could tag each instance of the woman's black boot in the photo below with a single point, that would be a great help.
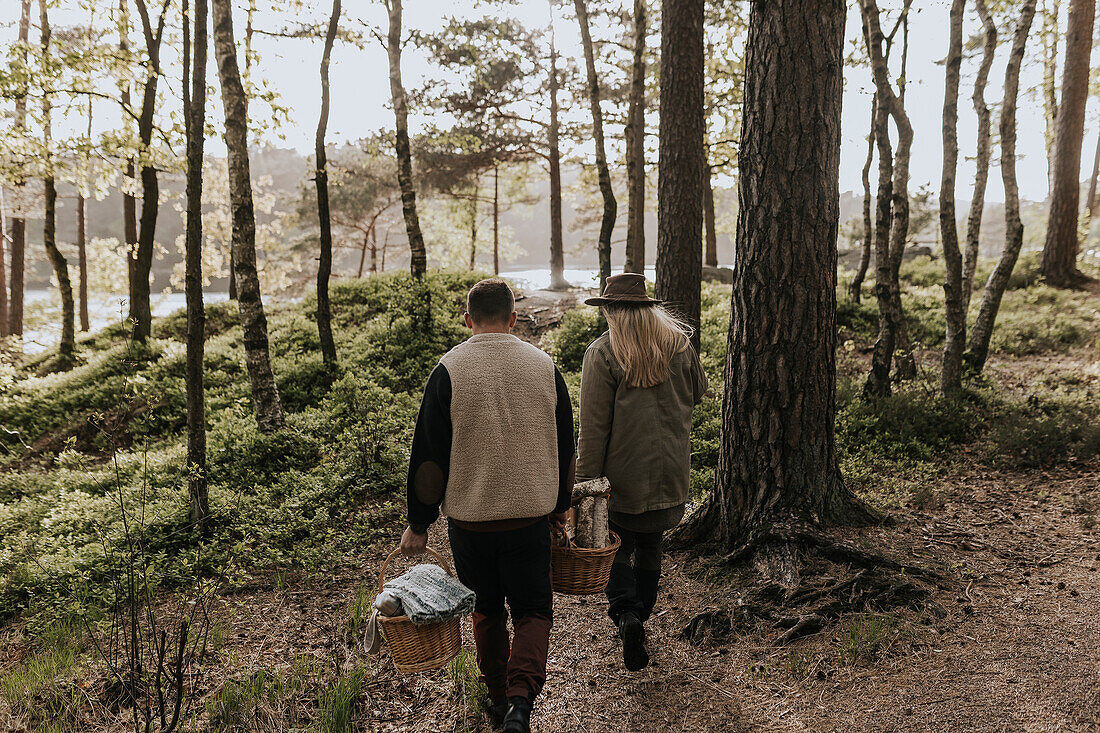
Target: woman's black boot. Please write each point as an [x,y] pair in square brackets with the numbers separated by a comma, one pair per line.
[632,633]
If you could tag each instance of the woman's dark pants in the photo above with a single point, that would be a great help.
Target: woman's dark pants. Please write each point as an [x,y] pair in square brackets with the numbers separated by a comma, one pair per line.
[632,586]
[512,566]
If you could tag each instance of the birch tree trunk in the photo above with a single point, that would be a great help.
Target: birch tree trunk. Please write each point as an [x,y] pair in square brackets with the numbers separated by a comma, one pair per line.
[978,346]
[777,457]
[610,207]
[955,341]
[324,265]
[682,160]
[195,125]
[418,262]
[141,314]
[635,147]
[855,288]
[889,246]
[67,347]
[557,247]
[981,172]
[265,393]
[1059,264]
[19,224]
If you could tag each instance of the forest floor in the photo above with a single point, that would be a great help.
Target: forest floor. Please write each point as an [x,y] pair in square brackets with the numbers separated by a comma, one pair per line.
[1013,644]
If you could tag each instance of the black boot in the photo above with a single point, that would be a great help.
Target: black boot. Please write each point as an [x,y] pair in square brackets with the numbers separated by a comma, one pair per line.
[632,633]
[518,719]
[495,710]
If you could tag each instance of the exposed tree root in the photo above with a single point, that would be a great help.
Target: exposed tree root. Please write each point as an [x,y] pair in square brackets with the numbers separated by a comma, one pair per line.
[782,553]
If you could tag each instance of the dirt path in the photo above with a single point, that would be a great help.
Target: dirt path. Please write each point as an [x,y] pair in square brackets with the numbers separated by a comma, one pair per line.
[1018,649]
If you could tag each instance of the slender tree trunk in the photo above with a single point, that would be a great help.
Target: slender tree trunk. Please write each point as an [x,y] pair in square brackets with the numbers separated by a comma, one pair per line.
[981,172]
[1051,34]
[82,261]
[888,255]
[682,163]
[4,332]
[195,124]
[1090,202]
[711,237]
[905,362]
[67,346]
[19,224]
[265,393]
[473,222]
[855,288]
[635,147]
[363,253]
[140,301]
[418,254]
[955,341]
[978,347]
[610,207]
[496,219]
[324,267]
[557,245]
[777,455]
[1059,264]
[374,251]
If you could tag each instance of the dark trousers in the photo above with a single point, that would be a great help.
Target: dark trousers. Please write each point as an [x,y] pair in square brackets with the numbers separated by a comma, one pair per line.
[635,574]
[512,566]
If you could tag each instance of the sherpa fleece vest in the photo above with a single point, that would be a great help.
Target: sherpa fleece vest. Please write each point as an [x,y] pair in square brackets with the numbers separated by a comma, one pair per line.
[504,449]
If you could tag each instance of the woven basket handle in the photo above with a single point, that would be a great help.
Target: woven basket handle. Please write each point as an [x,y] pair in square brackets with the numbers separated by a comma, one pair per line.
[438,558]
[560,531]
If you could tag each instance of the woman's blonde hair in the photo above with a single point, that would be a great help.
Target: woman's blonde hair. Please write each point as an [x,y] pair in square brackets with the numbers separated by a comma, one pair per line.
[644,338]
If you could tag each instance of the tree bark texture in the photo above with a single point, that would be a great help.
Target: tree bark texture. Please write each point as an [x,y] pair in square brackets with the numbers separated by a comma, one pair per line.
[1059,264]
[981,172]
[710,237]
[855,288]
[610,207]
[1090,201]
[682,160]
[1051,33]
[82,260]
[141,314]
[955,341]
[635,147]
[888,254]
[418,261]
[557,246]
[777,455]
[195,124]
[496,219]
[67,346]
[978,347]
[324,265]
[265,393]
[4,333]
[19,224]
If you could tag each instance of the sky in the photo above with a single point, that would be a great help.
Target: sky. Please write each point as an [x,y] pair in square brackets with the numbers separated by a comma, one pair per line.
[360,86]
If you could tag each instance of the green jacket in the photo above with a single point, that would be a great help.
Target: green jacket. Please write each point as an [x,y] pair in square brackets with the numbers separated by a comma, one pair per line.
[638,437]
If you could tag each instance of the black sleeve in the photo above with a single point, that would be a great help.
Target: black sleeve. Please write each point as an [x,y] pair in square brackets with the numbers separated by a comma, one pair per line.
[567,448]
[431,451]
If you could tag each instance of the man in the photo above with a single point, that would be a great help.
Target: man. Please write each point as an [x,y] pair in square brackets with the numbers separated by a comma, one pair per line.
[494,447]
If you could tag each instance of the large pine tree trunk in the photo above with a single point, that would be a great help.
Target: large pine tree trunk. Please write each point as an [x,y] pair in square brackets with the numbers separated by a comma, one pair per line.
[19,224]
[67,346]
[418,262]
[682,160]
[981,172]
[610,207]
[635,147]
[140,298]
[855,288]
[195,123]
[324,266]
[978,347]
[557,246]
[955,341]
[888,254]
[265,393]
[777,457]
[1059,265]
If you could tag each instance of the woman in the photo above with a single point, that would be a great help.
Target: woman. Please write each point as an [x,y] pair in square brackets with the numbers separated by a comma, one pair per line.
[639,383]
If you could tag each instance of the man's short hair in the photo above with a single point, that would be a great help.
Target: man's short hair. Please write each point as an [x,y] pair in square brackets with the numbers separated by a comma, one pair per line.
[490,301]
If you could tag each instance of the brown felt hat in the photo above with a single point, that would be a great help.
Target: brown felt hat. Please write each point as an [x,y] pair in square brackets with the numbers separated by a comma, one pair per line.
[625,289]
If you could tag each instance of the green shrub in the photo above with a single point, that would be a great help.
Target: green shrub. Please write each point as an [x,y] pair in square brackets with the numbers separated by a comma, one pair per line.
[567,343]
[922,272]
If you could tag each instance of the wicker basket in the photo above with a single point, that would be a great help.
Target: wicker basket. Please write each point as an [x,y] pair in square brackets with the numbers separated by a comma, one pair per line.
[419,648]
[579,571]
